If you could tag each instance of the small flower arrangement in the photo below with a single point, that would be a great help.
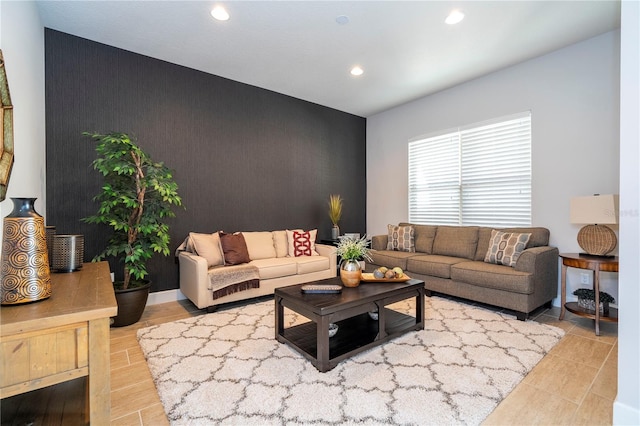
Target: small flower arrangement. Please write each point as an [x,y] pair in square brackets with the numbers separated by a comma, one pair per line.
[354,249]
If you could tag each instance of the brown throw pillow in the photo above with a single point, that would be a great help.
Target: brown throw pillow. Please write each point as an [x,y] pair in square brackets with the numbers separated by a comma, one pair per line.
[505,247]
[234,249]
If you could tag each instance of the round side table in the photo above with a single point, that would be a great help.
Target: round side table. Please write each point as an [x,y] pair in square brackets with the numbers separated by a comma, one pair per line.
[595,264]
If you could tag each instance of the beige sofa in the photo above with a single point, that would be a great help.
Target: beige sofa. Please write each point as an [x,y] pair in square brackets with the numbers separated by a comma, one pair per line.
[204,277]
[451,260]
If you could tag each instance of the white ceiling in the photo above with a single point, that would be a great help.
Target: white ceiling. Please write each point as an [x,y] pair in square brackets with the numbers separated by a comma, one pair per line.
[298,48]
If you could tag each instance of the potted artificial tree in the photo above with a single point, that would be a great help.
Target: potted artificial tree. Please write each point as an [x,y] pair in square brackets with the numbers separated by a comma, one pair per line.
[137,196]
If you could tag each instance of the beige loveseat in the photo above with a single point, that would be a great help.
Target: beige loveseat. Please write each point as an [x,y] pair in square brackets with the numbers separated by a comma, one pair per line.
[451,260]
[208,280]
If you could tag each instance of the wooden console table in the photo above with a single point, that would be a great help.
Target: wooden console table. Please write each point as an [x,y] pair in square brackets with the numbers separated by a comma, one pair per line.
[62,338]
[596,264]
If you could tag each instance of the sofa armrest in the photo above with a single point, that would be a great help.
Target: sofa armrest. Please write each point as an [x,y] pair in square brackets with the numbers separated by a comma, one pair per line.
[542,262]
[330,252]
[379,242]
[194,281]
[532,259]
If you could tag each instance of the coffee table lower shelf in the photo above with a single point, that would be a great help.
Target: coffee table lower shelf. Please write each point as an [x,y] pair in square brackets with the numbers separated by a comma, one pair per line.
[355,334]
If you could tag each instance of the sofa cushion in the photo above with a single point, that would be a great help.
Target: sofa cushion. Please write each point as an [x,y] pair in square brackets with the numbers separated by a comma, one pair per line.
[493,276]
[400,238]
[307,264]
[456,241]
[390,258]
[506,247]
[234,248]
[432,264]
[275,267]
[423,237]
[259,245]
[208,246]
[298,244]
[280,243]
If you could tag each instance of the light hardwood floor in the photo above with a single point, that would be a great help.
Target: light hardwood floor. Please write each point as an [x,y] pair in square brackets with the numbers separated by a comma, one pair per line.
[575,384]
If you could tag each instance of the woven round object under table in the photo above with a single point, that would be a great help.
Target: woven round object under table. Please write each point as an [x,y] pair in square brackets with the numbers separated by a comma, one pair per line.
[68,253]
[597,240]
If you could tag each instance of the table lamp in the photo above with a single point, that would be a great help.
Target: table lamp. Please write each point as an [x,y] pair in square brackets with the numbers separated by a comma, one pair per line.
[596,211]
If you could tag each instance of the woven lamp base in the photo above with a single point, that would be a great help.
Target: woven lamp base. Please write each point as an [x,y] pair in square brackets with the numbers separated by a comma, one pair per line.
[597,240]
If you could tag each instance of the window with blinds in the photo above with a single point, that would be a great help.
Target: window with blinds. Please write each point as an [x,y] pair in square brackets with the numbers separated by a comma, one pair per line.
[476,175]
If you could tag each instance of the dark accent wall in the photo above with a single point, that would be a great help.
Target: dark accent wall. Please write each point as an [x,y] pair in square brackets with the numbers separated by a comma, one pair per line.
[245,158]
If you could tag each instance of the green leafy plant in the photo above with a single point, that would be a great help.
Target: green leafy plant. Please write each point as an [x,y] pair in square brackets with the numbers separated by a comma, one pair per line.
[335,208]
[353,249]
[589,294]
[137,197]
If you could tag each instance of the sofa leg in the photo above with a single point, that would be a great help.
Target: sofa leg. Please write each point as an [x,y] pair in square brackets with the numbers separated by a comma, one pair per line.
[427,292]
[211,309]
[522,316]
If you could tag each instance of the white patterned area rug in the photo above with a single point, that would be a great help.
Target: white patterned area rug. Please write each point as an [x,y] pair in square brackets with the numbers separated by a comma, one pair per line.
[226,368]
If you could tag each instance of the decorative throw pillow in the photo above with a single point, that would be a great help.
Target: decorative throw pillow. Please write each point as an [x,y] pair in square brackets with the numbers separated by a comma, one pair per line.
[259,245]
[301,244]
[505,247]
[208,246]
[401,238]
[299,240]
[234,249]
[280,243]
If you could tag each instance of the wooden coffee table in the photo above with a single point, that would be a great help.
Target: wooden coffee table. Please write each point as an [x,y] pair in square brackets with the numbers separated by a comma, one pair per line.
[357,332]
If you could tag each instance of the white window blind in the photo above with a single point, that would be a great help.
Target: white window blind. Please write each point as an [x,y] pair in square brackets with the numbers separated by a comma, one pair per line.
[476,175]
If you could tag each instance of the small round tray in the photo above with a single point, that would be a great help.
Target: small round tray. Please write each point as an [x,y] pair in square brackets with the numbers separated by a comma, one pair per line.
[368,277]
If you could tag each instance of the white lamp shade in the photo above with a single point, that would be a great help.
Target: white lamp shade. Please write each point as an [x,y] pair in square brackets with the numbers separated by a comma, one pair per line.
[595,209]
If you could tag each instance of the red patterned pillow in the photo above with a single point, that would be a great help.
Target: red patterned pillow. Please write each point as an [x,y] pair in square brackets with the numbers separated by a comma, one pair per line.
[301,243]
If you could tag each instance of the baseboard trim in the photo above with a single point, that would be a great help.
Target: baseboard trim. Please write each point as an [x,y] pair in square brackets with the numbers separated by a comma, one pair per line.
[624,414]
[166,296]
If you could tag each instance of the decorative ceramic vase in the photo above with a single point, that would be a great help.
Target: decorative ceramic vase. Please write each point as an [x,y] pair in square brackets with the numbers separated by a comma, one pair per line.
[350,273]
[25,260]
[335,232]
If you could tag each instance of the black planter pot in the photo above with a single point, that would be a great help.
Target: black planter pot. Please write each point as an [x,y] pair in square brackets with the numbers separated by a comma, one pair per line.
[131,304]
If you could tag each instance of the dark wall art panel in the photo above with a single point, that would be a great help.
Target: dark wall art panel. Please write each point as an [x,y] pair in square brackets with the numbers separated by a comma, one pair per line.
[245,158]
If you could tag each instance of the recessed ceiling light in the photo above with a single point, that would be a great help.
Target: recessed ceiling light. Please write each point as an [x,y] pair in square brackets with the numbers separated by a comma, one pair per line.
[220,13]
[357,71]
[454,17]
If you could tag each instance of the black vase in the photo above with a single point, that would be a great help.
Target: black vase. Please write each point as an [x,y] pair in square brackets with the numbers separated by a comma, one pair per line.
[25,260]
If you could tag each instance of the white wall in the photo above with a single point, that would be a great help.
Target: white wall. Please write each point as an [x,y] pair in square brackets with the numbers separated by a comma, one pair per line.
[573,94]
[22,43]
[626,409]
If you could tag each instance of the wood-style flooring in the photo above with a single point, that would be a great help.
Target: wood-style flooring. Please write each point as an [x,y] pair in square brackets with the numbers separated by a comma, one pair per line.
[575,384]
